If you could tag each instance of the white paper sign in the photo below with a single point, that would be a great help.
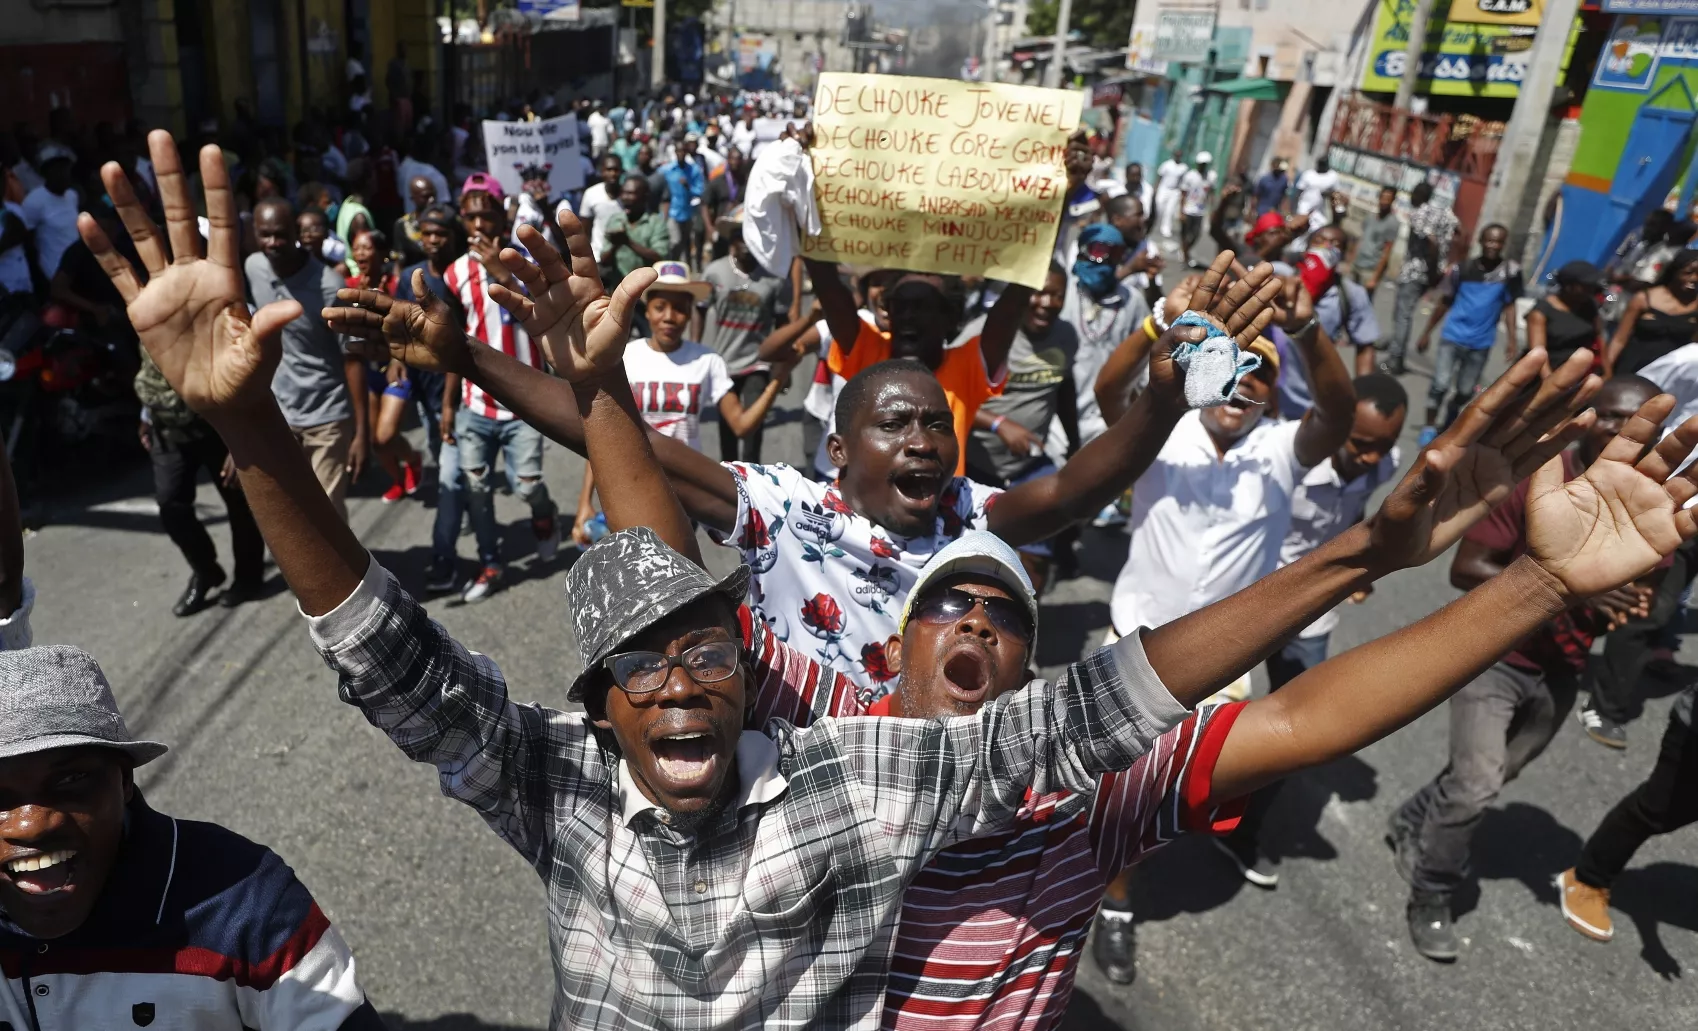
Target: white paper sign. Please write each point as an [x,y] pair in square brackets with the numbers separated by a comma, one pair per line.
[768,130]
[514,148]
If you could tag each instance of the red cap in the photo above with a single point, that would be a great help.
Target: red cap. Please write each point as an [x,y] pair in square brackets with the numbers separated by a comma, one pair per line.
[1269,220]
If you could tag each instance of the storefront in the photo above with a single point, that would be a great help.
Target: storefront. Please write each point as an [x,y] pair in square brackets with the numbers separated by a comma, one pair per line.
[1636,143]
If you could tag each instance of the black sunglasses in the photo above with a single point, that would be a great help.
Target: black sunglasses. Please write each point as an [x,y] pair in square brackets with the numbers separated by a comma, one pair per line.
[1006,614]
[647,672]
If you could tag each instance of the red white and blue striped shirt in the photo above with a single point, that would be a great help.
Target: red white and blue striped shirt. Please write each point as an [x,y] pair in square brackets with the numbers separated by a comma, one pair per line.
[196,929]
[489,322]
[992,930]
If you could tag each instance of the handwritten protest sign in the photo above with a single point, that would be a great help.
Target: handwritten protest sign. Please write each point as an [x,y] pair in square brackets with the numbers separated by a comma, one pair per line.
[939,175]
[513,148]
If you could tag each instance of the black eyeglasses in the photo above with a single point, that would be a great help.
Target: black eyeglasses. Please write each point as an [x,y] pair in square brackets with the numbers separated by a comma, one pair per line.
[1006,614]
[647,672]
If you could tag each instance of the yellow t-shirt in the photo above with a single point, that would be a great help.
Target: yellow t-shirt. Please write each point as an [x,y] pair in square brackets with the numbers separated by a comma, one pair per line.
[962,373]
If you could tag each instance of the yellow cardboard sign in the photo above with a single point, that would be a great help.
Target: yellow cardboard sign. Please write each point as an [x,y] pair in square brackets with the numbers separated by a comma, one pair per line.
[940,175]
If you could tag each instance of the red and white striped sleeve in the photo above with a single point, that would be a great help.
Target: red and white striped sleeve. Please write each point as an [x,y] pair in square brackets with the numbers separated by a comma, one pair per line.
[1166,793]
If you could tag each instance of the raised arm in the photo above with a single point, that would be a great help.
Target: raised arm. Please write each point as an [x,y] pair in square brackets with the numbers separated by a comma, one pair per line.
[1593,534]
[1326,425]
[435,700]
[1515,426]
[1100,470]
[1002,322]
[426,336]
[1114,379]
[834,296]
[589,347]
[1217,219]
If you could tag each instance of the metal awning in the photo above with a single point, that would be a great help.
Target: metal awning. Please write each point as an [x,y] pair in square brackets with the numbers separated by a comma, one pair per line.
[1248,89]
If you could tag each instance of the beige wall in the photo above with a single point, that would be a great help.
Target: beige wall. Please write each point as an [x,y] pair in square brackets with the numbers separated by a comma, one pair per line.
[1284,31]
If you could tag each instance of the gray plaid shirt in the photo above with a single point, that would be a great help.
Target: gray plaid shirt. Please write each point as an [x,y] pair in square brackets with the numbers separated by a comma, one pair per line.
[782,912]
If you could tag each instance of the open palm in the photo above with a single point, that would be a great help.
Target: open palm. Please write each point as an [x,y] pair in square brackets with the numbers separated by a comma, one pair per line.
[425,335]
[1614,522]
[190,314]
[581,329]
[1514,427]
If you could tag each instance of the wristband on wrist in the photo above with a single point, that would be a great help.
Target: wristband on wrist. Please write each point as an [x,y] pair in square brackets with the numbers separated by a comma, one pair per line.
[996,423]
[1158,315]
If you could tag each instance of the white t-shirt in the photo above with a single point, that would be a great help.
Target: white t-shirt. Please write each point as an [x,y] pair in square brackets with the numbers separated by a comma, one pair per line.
[828,581]
[14,263]
[1197,188]
[53,219]
[1169,174]
[1677,373]
[601,128]
[1204,527]
[743,138]
[598,208]
[1324,506]
[673,387]
[1312,189]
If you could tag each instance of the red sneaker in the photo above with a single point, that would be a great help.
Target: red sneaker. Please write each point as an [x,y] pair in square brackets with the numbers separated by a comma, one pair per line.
[409,478]
[393,494]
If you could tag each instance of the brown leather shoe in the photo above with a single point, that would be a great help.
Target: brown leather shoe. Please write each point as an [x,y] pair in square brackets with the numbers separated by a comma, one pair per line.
[1587,909]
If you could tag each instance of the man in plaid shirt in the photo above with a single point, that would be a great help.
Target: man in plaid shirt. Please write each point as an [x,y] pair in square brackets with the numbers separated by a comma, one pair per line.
[702,876]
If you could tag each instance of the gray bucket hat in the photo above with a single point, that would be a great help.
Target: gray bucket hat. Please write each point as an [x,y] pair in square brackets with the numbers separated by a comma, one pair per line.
[56,696]
[628,582]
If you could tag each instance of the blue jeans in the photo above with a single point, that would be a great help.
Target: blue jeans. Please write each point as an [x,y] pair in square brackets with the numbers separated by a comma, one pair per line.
[450,504]
[1404,305]
[480,438]
[1456,368]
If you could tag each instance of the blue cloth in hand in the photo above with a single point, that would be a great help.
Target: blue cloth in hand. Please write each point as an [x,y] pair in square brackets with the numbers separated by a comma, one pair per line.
[1213,366]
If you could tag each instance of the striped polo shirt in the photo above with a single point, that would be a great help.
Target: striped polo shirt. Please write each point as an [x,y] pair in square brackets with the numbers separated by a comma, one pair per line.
[489,322]
[195,929]
[992,929]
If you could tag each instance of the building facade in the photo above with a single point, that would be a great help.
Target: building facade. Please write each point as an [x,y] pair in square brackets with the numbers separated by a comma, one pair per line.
[182,64]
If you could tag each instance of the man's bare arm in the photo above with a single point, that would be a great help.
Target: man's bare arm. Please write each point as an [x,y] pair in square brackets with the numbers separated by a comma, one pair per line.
[842,317]
[1586,537]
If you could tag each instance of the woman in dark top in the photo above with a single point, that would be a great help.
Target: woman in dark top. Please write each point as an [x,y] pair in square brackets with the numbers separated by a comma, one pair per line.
[1657,320]
[1566,320]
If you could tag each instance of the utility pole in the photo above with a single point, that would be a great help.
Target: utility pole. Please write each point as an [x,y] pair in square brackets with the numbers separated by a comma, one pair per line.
[1514,186]
[1057,69]
[1412,53]
[657,57]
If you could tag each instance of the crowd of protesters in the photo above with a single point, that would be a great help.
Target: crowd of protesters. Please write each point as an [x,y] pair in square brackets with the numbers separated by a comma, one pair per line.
[787,787]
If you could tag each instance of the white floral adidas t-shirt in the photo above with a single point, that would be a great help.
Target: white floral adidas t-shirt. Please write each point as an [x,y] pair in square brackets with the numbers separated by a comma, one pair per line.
[826,580]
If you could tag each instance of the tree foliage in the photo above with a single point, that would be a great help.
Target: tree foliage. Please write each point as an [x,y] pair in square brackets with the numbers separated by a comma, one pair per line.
[1103,23]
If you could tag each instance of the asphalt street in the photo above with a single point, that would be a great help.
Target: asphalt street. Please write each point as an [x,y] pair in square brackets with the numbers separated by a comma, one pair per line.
[448,924]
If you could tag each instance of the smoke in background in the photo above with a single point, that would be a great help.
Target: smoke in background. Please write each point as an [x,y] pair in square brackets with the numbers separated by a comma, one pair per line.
[942,34]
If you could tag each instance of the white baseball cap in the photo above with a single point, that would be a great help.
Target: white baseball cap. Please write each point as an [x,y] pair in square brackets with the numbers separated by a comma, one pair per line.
[1204,157]
[53,151]
[981,552]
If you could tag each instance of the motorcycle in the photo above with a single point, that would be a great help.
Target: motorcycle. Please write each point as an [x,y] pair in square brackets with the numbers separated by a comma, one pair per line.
[63,391]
